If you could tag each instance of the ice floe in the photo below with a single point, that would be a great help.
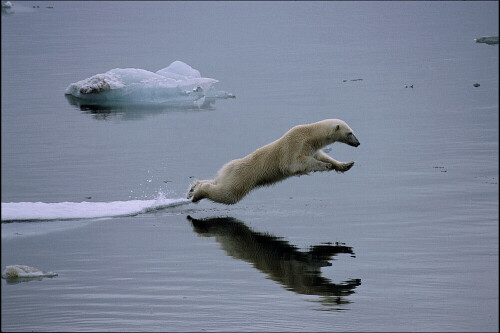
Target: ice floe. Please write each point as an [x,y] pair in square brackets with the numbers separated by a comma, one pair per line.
[42,211]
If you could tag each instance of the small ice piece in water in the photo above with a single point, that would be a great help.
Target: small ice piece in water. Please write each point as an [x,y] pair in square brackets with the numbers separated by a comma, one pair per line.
[7,7]
[22,271]
[176,84]
[488,40]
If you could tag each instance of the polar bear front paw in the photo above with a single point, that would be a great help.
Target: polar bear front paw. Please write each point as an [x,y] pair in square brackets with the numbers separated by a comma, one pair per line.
[343,167]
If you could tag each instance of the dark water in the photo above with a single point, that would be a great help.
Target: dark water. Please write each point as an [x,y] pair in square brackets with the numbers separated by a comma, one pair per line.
[406,240]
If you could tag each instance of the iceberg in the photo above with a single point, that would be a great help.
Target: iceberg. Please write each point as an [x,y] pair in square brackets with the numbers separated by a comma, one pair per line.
[488,40]
[177,84]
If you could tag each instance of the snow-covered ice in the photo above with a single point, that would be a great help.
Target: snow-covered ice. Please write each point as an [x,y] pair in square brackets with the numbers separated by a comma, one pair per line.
[40,211]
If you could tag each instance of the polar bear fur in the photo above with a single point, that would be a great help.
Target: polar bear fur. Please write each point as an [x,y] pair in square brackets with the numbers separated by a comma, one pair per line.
[297,152]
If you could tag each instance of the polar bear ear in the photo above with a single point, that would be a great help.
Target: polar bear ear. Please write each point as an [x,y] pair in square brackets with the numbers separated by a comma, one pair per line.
[337,128]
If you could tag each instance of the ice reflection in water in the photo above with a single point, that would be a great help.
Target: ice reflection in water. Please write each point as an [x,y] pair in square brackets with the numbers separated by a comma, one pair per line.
[282,262]
[105,111]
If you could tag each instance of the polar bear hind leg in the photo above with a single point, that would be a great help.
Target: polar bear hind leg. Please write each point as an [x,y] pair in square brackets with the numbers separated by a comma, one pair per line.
[195,189]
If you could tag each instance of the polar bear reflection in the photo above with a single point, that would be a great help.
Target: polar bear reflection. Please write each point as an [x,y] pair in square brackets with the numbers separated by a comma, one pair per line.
[282,262]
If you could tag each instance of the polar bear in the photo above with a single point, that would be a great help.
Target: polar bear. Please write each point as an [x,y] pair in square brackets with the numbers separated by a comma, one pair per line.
[297,152]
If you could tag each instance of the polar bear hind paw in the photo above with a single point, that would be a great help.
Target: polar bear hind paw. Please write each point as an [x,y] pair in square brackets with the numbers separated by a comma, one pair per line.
[190,193]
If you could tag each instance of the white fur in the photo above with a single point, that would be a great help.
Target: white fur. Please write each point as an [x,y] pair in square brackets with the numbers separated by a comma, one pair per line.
[297,152]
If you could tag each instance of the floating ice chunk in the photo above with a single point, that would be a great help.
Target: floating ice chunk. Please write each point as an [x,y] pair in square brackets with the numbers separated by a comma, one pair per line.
[176,84]
[488,40]
[22,271]
[7,7]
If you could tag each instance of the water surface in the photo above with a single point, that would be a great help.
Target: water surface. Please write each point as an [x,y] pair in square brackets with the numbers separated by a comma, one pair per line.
[407,240]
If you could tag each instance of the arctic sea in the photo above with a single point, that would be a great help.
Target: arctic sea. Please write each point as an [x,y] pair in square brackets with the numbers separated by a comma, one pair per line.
[407,240]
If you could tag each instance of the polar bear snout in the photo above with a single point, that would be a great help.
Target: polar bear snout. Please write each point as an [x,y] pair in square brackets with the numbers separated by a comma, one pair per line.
[352,140]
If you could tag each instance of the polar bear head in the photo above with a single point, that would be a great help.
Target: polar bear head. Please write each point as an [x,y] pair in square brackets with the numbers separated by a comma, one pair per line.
[339,131]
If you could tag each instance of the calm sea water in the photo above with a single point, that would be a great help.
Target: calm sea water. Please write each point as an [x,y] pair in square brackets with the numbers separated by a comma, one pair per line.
[406,240]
